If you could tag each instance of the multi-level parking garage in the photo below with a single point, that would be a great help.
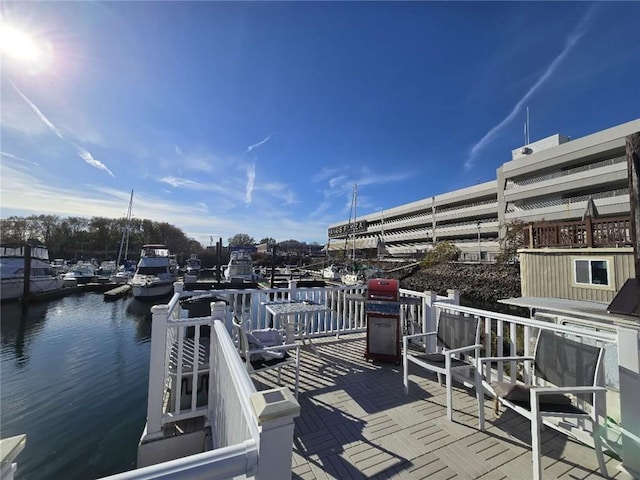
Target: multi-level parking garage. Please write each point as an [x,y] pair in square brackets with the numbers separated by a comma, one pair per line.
[547,180]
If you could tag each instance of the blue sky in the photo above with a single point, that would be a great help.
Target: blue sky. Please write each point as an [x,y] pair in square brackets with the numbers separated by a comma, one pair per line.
[258,118]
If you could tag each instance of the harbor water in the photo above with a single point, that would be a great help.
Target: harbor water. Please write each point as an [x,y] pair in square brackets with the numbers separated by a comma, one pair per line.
[73,377]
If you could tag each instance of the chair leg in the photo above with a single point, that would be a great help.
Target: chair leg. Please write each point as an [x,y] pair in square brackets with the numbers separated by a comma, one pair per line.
[440,379]
[597,443]
[535,437]
[449,397]
[480,398]
[405,371]
[279,376]
[297,384]
[405,366]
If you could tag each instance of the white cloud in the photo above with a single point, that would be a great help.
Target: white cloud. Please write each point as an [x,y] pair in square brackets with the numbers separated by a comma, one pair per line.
[20,118]
[87,157]
[280,191]
[83,153]
[570,43]
[183,182]
[251,179]
[260,143]
[325,173]
[178,150]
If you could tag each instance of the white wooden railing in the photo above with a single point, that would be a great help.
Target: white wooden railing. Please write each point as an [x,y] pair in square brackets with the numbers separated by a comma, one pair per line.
[251,433]
[347,308]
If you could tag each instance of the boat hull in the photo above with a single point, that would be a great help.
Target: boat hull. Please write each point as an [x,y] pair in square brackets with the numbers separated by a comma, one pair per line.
[152,290]
[12,288]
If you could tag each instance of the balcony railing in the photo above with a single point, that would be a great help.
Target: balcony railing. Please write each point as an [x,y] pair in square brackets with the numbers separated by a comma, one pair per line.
[605,232]
[245,445]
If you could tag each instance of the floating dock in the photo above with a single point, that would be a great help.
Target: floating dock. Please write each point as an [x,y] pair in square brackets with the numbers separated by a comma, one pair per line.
[117,292]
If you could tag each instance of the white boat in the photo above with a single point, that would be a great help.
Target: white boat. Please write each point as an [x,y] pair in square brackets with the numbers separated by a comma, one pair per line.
[192,269]
[352,278]
[80,274]
[332,272]
[240,267]
[43,278]
[153,277]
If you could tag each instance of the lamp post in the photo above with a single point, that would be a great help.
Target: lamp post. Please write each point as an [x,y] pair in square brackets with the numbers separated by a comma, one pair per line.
[479,249]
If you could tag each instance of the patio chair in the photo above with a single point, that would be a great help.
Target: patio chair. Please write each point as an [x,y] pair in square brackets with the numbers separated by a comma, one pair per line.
[567,367]
[266,349]
[456,338]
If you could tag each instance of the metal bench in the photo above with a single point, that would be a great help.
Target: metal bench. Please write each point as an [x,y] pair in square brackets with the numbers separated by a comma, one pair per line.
[566,367]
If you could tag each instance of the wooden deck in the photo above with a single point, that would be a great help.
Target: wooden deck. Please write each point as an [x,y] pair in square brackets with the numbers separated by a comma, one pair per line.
[356,422]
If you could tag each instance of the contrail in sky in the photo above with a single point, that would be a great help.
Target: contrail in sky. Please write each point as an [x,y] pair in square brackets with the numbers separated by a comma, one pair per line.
[252,147]
[251,178]
[82,152]
[570,42]
[37,111]
[15,157]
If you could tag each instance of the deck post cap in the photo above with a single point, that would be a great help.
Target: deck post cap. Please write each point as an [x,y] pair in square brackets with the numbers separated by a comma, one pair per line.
[276,405]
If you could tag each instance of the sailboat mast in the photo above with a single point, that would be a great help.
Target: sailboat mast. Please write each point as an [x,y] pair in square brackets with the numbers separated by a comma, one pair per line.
[125,232]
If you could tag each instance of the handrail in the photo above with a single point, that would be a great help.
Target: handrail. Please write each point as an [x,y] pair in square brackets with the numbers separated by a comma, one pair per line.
[219,464]
[601,336]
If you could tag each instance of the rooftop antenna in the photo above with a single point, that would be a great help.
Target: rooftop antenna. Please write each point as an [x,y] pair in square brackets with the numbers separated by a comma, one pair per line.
[528,128]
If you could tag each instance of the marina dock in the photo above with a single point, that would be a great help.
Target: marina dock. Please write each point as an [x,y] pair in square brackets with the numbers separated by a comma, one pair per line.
[117,292]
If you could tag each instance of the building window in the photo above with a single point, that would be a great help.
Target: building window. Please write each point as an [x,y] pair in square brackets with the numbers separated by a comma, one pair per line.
[591,271]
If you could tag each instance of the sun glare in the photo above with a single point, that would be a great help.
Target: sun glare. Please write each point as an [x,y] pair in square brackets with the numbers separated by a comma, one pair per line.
[19,45]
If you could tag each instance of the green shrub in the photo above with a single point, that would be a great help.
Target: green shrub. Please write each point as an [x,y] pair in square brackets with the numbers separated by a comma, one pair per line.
[442,252]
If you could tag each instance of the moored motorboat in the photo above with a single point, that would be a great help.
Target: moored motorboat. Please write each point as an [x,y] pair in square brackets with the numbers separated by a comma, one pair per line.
[240,267]
[153,277]
[42,277]
[80,274]
[192,269]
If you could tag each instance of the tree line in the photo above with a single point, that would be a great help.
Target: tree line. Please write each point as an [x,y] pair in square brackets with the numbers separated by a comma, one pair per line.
[78,238]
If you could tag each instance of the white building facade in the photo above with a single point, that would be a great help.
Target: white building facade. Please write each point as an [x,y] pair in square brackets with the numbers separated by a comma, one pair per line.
[547,180]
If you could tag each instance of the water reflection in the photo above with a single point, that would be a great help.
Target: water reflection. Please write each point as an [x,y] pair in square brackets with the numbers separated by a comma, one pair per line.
[19,325]
[140,313]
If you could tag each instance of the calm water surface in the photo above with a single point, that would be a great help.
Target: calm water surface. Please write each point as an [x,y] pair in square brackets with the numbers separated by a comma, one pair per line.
[73,377]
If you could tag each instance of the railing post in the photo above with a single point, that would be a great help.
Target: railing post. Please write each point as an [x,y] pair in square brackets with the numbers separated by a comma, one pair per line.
[429,324]
[275,410]
[293,287]
[219,312]
[178,287]
[629,371]
[156,371]
[588,226]
[9,450]
[454,295]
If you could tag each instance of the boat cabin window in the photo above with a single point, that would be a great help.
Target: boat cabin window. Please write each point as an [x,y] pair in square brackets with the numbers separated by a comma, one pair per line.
[152,270]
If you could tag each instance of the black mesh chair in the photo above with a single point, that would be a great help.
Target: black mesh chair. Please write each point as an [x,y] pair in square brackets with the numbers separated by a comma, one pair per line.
[565,367]
[456,338]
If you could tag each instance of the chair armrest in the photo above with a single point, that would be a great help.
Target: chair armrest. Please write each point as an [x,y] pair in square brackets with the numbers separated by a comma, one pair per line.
[453,351]
[276,348]
[504,359]
[417,335]
[556,390]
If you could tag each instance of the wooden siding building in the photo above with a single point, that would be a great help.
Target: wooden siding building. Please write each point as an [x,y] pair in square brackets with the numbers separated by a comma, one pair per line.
[593,274]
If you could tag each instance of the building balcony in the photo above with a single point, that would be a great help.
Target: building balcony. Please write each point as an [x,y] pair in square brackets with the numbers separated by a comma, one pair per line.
[613,174]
